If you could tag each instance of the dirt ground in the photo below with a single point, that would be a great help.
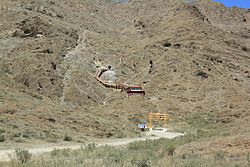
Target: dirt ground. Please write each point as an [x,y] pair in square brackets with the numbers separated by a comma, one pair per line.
[51,50]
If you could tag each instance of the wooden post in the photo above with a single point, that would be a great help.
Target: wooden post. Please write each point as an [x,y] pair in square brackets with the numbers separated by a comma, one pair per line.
[150,120]
[165,120]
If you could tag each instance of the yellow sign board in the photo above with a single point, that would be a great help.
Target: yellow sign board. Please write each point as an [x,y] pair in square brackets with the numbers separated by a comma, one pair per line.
[157,117]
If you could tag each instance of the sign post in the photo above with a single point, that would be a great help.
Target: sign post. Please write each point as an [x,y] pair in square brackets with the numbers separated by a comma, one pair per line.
[150,121]
[165,120]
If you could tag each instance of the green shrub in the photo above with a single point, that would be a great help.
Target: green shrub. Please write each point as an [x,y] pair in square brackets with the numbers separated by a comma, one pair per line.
[25,135]
[55,153]
[14,126]
[17,134]
[248,159]
[60,153]
[2,131]
[143,163]
[67,138]
[22,156]
[52,140]
[90,147]
[49,136]
[2,138]
[171,148]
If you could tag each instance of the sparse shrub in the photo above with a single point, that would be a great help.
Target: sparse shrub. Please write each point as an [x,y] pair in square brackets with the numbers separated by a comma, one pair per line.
[60,153]
[201,133]
[2,120]
[220,155]
[194,163]
[90,147]
[80,141]
[10,111]
[171,148]
[2,131]
[19,140]
[248,159]
[144,163]
[52,140]
[113,155]
[31,134]
[184,156]
[54,153]
[167,147]
[22,156]
[67,138]
[2,138]
[189,1]
[244,49]
[37,96]
[17,134]
[202,74]
[25,135]
[14,126]
[188,138]
[49,136]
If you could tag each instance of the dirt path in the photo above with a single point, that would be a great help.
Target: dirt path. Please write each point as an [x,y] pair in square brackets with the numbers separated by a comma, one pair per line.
[73,60]
[37,150]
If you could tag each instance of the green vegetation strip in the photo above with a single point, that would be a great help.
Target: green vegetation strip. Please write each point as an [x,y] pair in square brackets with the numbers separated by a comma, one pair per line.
[140,154]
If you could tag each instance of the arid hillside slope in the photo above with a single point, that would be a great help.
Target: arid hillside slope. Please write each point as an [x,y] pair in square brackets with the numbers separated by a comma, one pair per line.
[50,52]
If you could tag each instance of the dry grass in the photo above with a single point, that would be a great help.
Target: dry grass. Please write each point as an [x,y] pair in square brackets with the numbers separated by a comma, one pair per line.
[139,154]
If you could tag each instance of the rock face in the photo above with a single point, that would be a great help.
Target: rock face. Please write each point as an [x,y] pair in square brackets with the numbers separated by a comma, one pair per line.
[49,52]
[109,76]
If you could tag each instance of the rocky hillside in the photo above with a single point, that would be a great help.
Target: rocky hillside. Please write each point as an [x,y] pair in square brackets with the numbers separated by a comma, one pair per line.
[51,50]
